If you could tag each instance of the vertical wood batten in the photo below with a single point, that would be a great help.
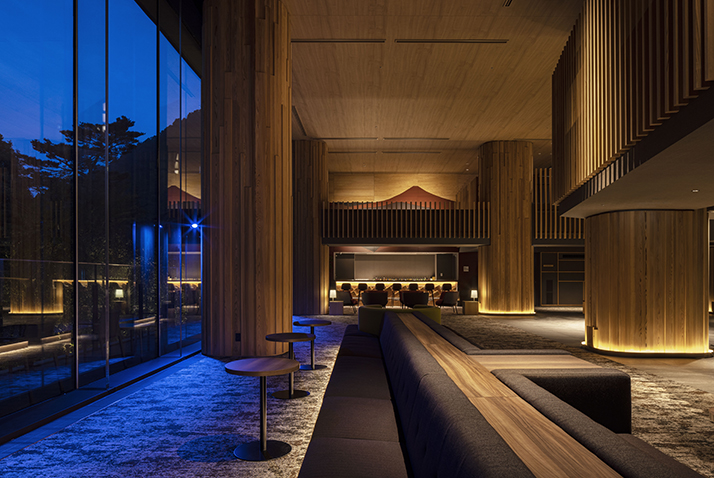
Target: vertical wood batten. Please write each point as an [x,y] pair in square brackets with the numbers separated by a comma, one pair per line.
[626,68]
[248,187]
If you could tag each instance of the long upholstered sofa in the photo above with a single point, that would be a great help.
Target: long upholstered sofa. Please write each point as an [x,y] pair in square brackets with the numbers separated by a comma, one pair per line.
[390,410]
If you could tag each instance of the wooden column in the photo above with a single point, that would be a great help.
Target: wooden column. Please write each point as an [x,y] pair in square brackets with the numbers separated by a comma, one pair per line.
[310,256]
[247,189]
[646,282]
[505,268]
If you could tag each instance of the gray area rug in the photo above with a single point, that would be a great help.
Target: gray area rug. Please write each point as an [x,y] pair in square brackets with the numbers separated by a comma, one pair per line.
[187,424]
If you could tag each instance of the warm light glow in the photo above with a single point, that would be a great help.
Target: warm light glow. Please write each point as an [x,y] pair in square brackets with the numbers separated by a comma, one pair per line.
[507,312]
[119,293]
[474,294]
[333,294]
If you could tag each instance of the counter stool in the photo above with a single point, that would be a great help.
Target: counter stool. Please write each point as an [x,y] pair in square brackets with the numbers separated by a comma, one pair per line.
[290,338]
[312,323]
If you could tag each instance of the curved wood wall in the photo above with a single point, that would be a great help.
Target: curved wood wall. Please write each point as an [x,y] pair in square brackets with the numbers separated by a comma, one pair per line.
[310,256]
[247,189]
[646,281]
[505,268]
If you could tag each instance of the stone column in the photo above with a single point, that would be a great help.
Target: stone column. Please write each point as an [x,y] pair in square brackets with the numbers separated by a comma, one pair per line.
[505,267]
[310,256]
[247,174]
[646,282]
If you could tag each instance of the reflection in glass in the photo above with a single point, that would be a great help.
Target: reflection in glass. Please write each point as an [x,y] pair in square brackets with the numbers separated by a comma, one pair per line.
[132,158]
[36,203]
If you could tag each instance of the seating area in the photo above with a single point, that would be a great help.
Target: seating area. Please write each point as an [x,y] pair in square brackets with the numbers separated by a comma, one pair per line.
[391,409]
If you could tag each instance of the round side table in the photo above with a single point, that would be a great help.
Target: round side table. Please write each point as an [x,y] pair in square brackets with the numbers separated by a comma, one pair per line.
[290,338]
[312,323]
[262,367]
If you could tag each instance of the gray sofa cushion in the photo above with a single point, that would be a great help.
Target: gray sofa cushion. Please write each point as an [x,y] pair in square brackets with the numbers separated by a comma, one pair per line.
[360,346]
[407,362]
[676,467]
[600,393]
[353,329]
[329,457]
[360,418]
[447,437]
[358,377]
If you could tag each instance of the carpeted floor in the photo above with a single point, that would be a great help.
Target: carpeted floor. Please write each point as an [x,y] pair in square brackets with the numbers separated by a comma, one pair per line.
[188,423]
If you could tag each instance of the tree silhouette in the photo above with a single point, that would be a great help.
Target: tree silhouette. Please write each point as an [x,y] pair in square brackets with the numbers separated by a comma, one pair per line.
[58,160]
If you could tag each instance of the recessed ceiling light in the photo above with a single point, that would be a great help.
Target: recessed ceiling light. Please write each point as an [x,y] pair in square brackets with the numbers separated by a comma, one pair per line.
[695,190]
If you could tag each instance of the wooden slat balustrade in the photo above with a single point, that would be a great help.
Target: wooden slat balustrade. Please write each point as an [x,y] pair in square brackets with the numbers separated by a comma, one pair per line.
[365,221]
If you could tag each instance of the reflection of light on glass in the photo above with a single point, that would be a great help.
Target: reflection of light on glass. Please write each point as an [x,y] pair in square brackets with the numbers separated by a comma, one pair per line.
[119,293]
[176,164]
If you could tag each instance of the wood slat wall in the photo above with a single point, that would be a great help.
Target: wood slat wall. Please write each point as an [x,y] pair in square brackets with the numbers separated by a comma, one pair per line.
[310,256]
[547,224]
[626,68]
[361,221]
[646,281]
[247,189]
[505,269]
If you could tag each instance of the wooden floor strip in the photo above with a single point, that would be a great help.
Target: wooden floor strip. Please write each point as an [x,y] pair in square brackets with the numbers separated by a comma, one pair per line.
[544,447]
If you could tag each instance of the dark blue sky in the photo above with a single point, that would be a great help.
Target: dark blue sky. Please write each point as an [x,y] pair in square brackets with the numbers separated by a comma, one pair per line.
[36,69]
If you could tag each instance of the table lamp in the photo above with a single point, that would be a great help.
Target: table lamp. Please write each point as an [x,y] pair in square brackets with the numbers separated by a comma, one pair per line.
[333,294]
[474,294]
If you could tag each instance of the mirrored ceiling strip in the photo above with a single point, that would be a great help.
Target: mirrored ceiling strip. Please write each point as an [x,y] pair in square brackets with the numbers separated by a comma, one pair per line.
[347,139]
[467,40]
[351,152]
[337,40]
[415,139]
[411,152]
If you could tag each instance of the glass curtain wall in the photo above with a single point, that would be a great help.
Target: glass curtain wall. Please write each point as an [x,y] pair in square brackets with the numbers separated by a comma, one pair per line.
[99,192]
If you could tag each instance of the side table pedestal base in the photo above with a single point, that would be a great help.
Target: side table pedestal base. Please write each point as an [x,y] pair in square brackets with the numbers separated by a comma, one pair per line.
[251,451]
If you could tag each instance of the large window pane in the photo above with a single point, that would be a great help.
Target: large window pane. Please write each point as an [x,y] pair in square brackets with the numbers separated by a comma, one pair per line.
[94,328]
[133,187]
[36,202]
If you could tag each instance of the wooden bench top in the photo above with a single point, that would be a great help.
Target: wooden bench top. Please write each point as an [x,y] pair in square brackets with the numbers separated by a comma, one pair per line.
[493,362]
[543,446]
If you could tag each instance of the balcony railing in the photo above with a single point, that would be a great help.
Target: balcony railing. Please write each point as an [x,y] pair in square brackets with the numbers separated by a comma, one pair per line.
[363,222]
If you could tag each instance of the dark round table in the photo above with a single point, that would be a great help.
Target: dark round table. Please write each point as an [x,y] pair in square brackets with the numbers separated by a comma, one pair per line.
[312,323]
[290,338]
[262,367]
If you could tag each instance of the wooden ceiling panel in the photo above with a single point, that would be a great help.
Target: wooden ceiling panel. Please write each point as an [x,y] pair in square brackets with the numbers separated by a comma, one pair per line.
[470,93]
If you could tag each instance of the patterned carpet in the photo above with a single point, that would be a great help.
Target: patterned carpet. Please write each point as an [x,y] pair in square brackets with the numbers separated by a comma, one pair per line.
[188,423]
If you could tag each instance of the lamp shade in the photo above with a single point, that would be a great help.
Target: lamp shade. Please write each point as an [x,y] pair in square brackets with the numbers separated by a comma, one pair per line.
[333,294]
[474,294]
[119,294]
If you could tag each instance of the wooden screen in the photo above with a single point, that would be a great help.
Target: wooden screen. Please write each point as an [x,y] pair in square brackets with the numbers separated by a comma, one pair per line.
[626,68]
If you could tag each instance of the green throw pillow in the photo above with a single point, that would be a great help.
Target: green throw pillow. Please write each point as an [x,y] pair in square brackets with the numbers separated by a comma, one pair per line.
[434,313]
